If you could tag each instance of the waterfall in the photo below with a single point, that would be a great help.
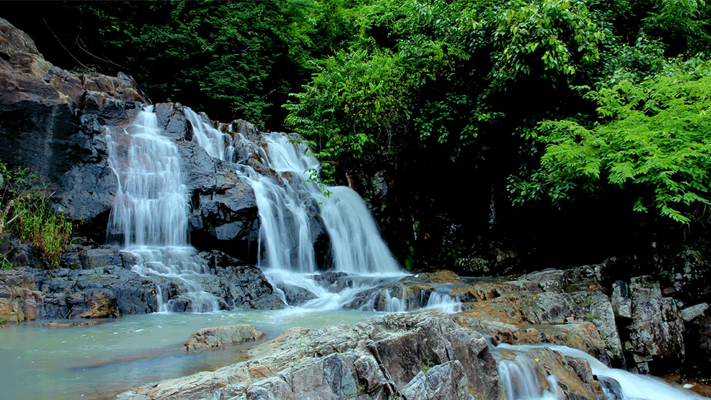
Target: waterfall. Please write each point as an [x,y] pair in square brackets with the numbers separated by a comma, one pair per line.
[149,214]
[521,378]
[150,208]
[291,204]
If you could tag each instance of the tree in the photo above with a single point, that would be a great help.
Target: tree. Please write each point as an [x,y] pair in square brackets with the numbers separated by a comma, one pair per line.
[651,138]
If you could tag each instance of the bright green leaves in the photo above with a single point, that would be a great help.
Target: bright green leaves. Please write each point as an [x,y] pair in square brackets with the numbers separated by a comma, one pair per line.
[653,137]
[550,37]
[355,106]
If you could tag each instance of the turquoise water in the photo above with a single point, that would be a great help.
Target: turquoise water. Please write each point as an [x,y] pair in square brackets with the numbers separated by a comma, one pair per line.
[94,362]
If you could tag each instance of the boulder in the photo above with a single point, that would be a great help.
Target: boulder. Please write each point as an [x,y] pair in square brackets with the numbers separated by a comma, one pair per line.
[236,284]
[697,336]
[656,342]
[415,356]
[171,118]
[219,337]
[691,313]
[19,298]
[621,302]
[574,295]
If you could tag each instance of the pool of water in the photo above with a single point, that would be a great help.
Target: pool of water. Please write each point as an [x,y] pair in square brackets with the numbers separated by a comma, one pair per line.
[98,361]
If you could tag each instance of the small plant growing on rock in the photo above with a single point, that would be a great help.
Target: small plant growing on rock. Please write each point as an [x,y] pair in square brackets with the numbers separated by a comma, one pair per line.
[26,212]
[5,264]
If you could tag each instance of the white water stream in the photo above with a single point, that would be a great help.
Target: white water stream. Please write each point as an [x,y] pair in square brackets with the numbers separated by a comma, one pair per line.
[520,377]
[149,214]
[289,204]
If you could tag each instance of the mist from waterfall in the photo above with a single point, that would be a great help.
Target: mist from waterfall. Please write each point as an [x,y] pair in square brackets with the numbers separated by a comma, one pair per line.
[150,211]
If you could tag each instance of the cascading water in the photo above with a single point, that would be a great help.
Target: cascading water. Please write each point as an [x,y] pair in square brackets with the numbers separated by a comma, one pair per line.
[520,377]
[149,214]
[290,205]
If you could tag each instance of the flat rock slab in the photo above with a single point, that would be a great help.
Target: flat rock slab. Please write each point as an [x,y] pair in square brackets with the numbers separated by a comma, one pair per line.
[219,337]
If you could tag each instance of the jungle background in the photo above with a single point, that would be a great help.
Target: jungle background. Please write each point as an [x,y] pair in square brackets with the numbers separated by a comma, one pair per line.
[529,134]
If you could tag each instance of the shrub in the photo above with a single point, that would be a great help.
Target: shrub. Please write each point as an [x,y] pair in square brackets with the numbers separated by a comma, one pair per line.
[25,211]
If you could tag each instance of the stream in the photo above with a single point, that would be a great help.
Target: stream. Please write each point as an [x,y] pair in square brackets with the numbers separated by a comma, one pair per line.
[98,361]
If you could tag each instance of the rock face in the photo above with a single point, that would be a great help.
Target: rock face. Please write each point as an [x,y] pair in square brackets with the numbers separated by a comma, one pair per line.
[656,331]
[414,356]
[55,122]
[51,122]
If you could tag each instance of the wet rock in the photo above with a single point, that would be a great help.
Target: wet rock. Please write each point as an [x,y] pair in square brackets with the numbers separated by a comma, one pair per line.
[574,377]
[236,284]
[611,388]
[110,291]
[223,209]
[336,281]
[220,337]
[405,295]
[171,118]
[48,124]
[295,295]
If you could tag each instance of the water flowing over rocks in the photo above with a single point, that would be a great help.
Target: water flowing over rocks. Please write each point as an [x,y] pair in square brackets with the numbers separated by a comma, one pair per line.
[56,123]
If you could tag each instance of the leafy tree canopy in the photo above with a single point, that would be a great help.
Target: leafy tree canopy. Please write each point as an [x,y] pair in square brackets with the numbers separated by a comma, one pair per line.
[651,138]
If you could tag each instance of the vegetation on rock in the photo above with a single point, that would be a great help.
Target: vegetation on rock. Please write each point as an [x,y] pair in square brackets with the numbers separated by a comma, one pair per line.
[25,211]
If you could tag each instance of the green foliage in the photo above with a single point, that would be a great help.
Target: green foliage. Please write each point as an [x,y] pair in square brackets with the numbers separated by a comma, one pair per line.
[232,59]
[528,35]
[651,138]
[559,99]
[681,22]
[25,212]
[354,106]
[5,264]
